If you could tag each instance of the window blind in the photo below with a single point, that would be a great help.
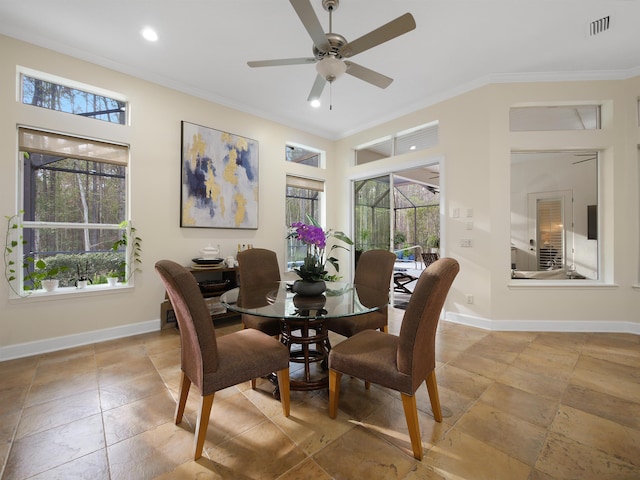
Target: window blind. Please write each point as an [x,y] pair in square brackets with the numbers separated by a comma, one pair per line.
[50,143]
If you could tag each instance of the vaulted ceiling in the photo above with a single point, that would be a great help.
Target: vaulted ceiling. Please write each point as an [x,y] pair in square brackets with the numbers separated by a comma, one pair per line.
[457,45]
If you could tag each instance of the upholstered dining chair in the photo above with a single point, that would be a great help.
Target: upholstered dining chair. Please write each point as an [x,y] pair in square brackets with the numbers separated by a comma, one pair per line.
[258,267]
[374,270]
[211,363]
[401,362]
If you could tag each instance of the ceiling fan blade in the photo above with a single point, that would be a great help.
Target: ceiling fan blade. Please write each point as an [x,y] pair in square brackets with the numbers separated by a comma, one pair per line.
[363,73]
[282,61]
[401,25]
[310,21]
[317,88]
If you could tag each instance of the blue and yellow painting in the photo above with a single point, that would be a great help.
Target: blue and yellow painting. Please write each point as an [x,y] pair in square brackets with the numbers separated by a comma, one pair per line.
[219,179]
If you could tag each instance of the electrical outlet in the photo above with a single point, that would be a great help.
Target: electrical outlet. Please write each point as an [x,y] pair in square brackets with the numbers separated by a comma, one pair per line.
[465,242]
[455,213]
[469,298]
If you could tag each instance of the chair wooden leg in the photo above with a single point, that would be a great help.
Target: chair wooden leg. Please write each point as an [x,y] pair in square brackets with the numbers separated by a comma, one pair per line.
[283,386]
[334,392]
[432,387]
[185,384]
[411,414]
[253,384]
[202,423]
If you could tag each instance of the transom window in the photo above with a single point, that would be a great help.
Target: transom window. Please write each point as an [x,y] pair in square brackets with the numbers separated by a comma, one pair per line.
[62,98]
[414,139]
[303,155]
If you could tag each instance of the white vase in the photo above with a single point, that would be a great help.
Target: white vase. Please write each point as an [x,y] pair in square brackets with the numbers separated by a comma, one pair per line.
[81,284]
[112,281]
[50,285]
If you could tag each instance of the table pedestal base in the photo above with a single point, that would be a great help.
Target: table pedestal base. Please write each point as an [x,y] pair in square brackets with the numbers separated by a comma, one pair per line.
[308,344]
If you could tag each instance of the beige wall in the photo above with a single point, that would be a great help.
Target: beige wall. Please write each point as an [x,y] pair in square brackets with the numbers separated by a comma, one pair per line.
[474,149]
[154,138]
[474,153]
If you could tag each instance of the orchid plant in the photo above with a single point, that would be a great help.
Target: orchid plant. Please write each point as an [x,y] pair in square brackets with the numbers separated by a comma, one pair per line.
[314,268]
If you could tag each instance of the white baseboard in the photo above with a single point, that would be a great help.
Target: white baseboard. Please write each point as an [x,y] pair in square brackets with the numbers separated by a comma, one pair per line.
[60,343]
[592,326]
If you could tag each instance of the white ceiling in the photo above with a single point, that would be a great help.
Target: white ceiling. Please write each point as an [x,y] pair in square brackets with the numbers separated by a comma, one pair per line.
[457,45]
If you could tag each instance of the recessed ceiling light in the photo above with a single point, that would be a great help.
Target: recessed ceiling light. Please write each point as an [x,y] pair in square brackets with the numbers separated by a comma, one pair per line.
[412,147]
[150,34]
[315,103]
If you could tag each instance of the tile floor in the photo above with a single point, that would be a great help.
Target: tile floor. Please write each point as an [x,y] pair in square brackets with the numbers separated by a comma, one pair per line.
[537,406]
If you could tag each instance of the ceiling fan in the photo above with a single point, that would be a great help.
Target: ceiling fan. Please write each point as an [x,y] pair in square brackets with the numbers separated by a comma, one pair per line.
[331,49]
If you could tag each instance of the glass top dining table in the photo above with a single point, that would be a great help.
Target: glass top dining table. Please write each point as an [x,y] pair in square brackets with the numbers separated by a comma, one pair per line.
[276,300]
[304,319]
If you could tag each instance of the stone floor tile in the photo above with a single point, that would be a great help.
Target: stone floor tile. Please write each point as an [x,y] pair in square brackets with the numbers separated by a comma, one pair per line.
[508,433]
[603,405]
[151,453]
[93,466]
[525,405]
[306,470]
[459,455]
[361,454]
[610,437]
[563,458]
[45,450]
[263,452]
[44,416]
[136,417]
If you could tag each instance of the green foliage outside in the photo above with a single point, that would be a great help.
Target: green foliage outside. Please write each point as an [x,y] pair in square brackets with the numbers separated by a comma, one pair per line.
[95,267]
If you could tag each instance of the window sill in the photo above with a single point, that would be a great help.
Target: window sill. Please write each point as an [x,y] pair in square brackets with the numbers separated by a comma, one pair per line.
[576,284]
[72,292]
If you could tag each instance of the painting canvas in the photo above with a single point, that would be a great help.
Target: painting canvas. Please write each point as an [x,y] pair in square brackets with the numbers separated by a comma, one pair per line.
[219,179]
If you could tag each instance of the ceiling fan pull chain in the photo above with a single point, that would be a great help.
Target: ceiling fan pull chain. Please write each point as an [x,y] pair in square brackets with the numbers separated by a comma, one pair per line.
[330,95]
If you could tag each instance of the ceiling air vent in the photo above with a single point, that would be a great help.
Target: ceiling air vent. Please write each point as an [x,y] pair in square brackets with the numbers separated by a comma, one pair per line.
[599,26]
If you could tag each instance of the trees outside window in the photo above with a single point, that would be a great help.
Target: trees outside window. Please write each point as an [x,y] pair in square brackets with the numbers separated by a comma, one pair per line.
[74,201]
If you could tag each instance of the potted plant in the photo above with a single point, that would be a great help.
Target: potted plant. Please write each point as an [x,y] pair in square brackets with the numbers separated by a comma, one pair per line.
[112,278]
[132,246]
[44,276]
[82,280]
[313,272]
[37,273]
[433,243]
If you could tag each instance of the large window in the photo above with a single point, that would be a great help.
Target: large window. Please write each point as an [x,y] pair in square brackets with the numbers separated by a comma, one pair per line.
[74,203]
[303,199]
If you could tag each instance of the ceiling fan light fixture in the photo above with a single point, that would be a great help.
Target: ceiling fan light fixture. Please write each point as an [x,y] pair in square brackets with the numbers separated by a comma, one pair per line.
[330,68]
[149,34]
[315,103]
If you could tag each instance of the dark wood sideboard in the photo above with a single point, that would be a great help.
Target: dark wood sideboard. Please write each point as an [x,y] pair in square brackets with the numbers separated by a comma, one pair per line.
[213,282]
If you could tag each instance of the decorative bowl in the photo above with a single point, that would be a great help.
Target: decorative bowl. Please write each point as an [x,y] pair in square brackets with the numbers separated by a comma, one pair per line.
[213,286]
[207,261]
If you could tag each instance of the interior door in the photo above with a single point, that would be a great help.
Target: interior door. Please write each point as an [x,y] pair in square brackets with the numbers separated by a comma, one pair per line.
[550,229]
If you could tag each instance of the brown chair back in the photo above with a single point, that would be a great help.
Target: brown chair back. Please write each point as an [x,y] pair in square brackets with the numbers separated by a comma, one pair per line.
[374,270]
[258,266]
[199,353]
[416,347]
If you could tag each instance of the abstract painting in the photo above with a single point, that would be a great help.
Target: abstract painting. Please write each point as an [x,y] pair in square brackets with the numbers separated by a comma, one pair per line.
[219,179]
